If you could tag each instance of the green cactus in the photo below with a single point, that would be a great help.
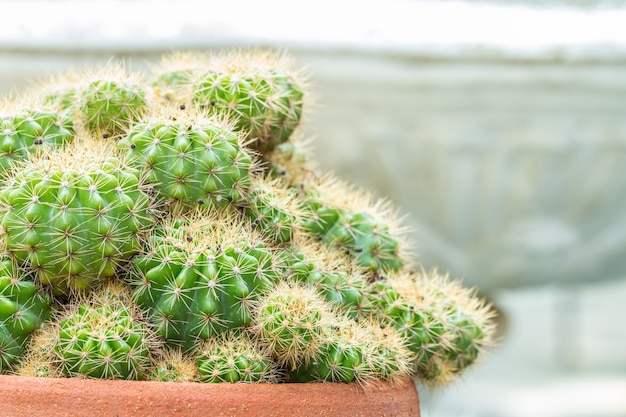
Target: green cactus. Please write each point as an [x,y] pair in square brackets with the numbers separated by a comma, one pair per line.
[168,83]
[234,357]
[351,221]
[104,338]
[198,161]
[200,276]
[274,211]
[342,357]
[356,352]
[174,366]
[74,216]
[341,284]
[421,328]
[62,98]
[29,131]
[23,308]
[292,321]
[110,106]
[289,161]
[257,90]
[388,356]
[444,324]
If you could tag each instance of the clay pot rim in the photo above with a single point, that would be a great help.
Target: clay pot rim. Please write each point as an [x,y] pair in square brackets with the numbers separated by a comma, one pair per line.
[55,397]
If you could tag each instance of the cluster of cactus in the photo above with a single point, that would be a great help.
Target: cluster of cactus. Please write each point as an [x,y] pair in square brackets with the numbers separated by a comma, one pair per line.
[171,227]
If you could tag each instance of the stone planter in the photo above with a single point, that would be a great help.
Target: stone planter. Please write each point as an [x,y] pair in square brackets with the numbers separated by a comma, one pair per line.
[56,397]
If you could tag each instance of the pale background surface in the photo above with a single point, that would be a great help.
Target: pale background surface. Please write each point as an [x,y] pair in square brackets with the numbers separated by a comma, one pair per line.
[499,130]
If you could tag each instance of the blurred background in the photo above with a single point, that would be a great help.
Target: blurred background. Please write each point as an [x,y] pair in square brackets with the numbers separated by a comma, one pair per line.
[497,127]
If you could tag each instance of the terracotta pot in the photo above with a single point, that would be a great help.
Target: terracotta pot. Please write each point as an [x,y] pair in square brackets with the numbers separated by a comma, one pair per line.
[52,397]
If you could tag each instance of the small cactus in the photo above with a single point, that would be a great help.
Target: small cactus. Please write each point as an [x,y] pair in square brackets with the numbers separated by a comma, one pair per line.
[259,91]
[445,325]
[273,211]
[193,160]
[234,357]
[23,308]
[342,284]
[341,357]
[74,216]
[112,103]
[28,131]
[173,366]
[104,338]
[39,358]
[292,321]
[200,277]
[352,221]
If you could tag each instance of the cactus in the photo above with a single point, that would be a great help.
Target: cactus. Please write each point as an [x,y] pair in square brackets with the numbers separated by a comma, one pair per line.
[104,338]
[200,275]
[234,259]
[273,211]
[352,221]
[234,357]
[23,308]
[388,356]
[110,104]
[62,98]
[105,101]
[193,160]
[445,325]
[39,357]
[342,357]
[290,161]
[74,216]
[25,132]
[342,284]
[292,321]
[173,366]
[259,91]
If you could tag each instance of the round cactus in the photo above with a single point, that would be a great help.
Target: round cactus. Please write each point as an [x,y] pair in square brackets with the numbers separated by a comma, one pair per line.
[74,216]
[273,211]
[342,357]
[292,321]
[265,102]
[28,131]
[174,366]
[192,160]
[444,324]
[290,162]
[23,308]
[200,276]
[104,338]
[109,106]
[234,357]
[62,98]
[350,220]
[259,91]
[339,282]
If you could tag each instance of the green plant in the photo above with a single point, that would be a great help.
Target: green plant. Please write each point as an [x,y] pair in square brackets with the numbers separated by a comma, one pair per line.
[23,307]
[103,337]
[180,232]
